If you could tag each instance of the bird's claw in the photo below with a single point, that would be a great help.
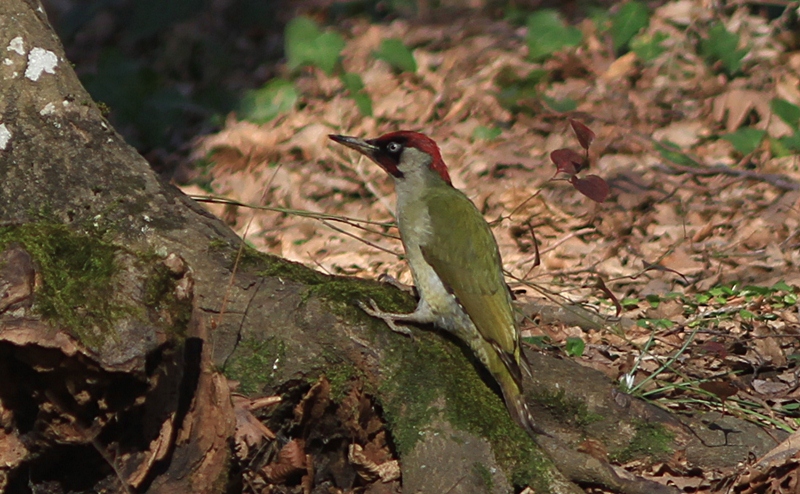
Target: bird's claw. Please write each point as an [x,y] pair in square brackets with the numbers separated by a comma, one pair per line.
[373,310]
[391,280]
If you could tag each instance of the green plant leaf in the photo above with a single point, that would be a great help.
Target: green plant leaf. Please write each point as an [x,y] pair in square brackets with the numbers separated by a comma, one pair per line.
[790,143]
[629,303]
[653,300]
[745,140]
[352,82]
[355,85]
[514,90]
[600,17]
[540,341]
[486,133]
[722,45]
[364,103]
[671,152]
[396,54]
[547,33]
[746,314]
[306,45]
[296,39]
[631,18]
[560,106]
[575,347]
[262,105]
[788,112]
[751,290]
[654,323]
[648,47]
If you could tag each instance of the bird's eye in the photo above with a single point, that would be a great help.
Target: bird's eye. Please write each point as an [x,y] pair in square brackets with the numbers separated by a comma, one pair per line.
[393,147]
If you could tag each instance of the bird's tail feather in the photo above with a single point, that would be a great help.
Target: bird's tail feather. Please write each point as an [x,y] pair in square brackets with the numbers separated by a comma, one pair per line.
[518,408]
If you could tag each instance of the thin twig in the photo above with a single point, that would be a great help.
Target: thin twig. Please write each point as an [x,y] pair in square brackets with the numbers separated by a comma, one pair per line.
[345,232]
[215,321]
[576,233]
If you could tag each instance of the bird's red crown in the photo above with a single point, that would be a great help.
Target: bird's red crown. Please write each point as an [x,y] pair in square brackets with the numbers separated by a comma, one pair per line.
[419,141]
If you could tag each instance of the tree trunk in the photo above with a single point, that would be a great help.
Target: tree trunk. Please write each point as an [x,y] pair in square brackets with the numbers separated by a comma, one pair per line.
[123,304]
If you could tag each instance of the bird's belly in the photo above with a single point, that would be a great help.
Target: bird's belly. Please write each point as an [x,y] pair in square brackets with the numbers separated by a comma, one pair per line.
[415,229]
[447,311]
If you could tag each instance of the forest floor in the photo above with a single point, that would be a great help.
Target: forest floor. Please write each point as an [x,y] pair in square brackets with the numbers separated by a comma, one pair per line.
[692,261]
[697,241]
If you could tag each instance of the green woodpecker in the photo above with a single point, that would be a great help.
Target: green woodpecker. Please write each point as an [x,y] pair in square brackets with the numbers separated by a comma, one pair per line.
[454,261]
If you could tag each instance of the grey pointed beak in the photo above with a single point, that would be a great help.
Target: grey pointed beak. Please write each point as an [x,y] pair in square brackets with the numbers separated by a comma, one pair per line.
[356,143]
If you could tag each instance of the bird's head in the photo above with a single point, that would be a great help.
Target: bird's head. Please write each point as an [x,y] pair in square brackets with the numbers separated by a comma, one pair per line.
[401,153]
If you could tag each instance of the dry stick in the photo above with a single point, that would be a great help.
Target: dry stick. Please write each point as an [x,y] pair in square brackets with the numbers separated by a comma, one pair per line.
[327,218]
[777,180]
[215,321]
[576,233]
[537,258]
[353,235]
[582,313]
[324,218]
[517,208]
[319,264]
[354,222]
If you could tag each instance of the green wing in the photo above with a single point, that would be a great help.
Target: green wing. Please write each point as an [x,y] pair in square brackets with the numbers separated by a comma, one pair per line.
[466,258]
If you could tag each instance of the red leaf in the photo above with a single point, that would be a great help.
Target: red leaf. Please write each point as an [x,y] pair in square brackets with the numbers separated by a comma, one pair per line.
[721,389]
[584,133]
[592,186]
[600,285]
[657,267]
[716,348]
[567,161]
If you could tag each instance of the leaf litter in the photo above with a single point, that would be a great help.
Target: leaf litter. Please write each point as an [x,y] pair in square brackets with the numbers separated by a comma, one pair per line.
[698,243]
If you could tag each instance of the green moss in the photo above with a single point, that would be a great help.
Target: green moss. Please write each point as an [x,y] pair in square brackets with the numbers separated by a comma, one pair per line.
[77,272]
[569,409]
[276,267]
[476,408]
[408,395]
[341,295]
[253,368]
[430,369]
[483,473]
[217,244]
[264,264]
[339,292]
[341,375]
[652,440]
[104,108]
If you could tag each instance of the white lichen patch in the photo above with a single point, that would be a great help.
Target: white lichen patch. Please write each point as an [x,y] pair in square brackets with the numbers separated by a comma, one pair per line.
[5,136]
[16,45]
[48,109]
[40,60]
[7,61]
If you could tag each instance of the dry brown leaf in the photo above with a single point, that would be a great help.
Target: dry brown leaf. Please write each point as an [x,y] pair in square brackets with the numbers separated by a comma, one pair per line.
[159,447]
[291,461]
[369,470]
[250,431]
[735,105]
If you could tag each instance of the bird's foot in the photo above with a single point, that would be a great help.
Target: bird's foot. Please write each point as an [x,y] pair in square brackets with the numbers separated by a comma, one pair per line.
[387,317]
[391,280]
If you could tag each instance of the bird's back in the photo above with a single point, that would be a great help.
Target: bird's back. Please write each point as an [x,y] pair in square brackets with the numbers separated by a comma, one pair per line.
[467,259]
